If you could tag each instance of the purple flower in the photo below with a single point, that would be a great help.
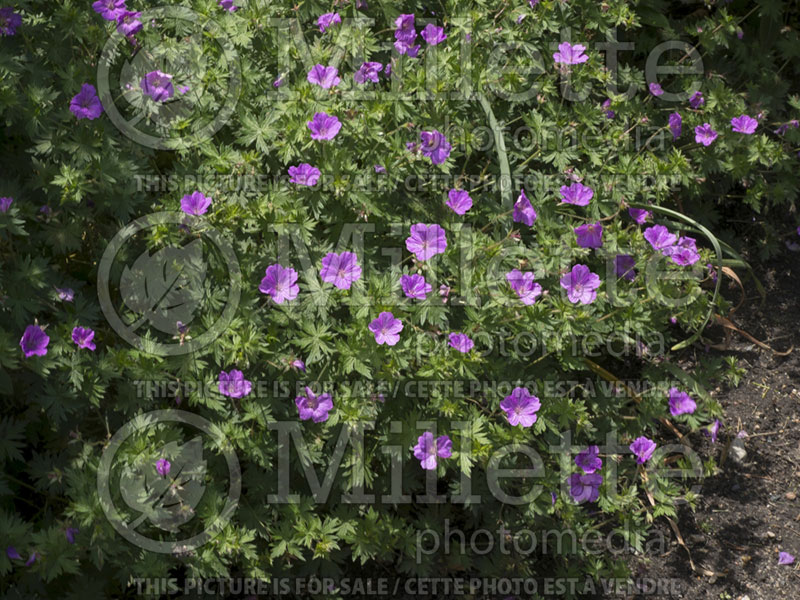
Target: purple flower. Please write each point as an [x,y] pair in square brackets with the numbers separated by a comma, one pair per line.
[324,126]
[233,384]
[610,114]
[684,252]
[328,20]
[386,329]
[405,34]
[380,169]
[110,10]
[697,100]
[65,294]
[785,127]
[461,342]
[342,270]
[280,283]
[426,241]
[656,89]
[534,3]
[428,450]
[523,210]
[34,341]
[570,55]
[85,104]
[704,134]
[643,448]
[5,204]
[639,215]
[278,82]
[298,364]
[459,201]
[70,534]
[581,285]
[324,77]
[128,23]
[680,402]
[435,146]
[9,21]
[433,35]
[368,72]
[158,86]
[12,553]
[675,122]
[713,430]
[584,488]
[577,194]
[520,407]
[163,466]
[31,559]
[227,5]
[744,124]
[304,174]
[589,460]
[415,286]
[314,407]
[589,235]
[784,558]
[83,338]
[523,284]
[195,204]
[624,266]
[659,237]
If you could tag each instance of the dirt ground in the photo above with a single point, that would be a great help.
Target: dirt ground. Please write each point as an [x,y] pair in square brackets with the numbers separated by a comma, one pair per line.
[750,510]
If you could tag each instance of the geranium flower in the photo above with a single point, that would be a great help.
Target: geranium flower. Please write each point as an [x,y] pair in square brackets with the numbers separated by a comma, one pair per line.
[342,270]
[85,104]
[110,10]
[581,285]
[656,89]
[70,533]
[324,126]
[680,402]
[675,122]
[643,448]
[589,235]
[386,328]
[158,86]
[610,114]
[584,488]
[415,286]
[195,204]
[12,553]
[428,450]
[233,384]
[784,558]
[520,407]
[523,284]
[280,283]
[368,71]
[5,204]
[83,338]
[459,201]
[577,194]
[624,266]
[324,77]
[9,21]
[659,237]
[684,252]
[314,407]
[589,460]
[461,342]
[639,215]
[328,20]
[712,431]
[570,55]
[128,23]
[163,467]
[426,241]
[523,210]
[34,341]
[435,146]
[704,134]
[65,294]
[304,174]
[697,100]
[433,35]
[298,364]
[405,34]
[744,124]
[228,5]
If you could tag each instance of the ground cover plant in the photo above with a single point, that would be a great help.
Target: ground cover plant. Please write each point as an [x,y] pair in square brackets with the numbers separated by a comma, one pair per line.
[288,291]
